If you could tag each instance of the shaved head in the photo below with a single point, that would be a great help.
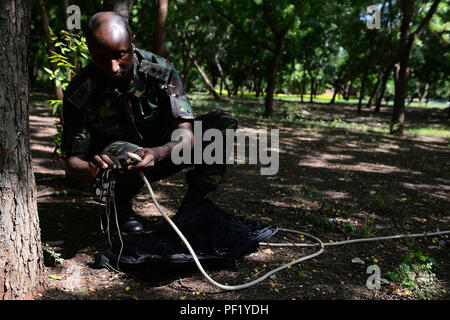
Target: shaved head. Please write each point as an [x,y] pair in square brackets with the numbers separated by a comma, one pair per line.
[111,45]
[108,24]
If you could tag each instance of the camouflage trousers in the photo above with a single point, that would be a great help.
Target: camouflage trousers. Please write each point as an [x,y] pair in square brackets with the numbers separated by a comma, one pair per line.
[202,178]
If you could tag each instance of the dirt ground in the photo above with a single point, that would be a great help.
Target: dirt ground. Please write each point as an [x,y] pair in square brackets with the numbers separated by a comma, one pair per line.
[328,178]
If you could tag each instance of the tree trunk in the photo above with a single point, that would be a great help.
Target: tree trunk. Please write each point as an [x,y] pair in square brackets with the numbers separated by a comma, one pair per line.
[385,78]
[361,91]
[407,40]
[21,260]
[258,85]
[311,93]
[280,36]
[347,91]
[204,76]
[122,7]
[401,90]
[401,73]
[337,85]
[334,95]
[425,93]
[303,86]
[159,33]
[374,93]
[271,77]
[222,76]
[50,52]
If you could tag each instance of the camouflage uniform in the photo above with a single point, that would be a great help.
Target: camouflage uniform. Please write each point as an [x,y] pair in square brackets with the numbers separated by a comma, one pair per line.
[95,115]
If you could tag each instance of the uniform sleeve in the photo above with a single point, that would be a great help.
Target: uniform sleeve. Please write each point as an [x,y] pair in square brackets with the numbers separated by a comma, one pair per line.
[181,106]
[75,137]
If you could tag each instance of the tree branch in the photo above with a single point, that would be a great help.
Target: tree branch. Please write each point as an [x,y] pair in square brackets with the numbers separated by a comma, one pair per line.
[243,32]
[425,20]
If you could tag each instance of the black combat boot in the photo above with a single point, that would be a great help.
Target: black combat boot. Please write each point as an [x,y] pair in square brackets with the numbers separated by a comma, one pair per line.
[128,221]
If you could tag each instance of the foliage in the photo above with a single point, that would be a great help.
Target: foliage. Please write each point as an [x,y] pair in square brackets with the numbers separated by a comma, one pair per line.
[327,49]
[72,55]
[415,272]
[72,46]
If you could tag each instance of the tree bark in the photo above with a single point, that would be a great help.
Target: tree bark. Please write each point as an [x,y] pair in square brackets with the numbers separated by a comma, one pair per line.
[50,52]
[271,78]
[159,32]
[407,40]
[21,260]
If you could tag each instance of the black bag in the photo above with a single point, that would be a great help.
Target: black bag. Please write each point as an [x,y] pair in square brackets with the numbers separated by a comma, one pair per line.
[217,237]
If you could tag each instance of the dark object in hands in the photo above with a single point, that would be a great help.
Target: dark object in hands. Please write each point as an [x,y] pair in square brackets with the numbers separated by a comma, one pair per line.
[118,152]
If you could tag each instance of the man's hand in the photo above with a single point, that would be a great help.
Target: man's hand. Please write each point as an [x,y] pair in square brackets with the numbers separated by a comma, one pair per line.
[105,161]
[149,158]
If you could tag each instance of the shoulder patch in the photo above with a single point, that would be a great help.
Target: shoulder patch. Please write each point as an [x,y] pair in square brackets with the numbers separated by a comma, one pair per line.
[80,95]
[80,88]
[155,70]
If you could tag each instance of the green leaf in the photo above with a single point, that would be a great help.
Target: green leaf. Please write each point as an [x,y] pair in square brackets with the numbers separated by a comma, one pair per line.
[392,275]
[54,277]
[48,70]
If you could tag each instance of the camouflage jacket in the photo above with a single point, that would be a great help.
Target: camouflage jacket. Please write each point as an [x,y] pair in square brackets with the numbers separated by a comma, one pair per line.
[96,114]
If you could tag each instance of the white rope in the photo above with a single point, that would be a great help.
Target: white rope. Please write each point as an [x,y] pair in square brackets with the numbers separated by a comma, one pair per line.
[269,273]
[415,235]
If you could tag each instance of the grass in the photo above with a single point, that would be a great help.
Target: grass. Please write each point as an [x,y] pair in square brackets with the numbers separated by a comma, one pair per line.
[441,131]
[325,98]
[291,113]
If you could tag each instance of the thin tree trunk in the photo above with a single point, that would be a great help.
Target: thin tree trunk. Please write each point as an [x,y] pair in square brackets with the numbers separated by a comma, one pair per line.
[361,91]
[204,76]
[21,260]
[347,91]
[303,86]
[50,52]
[122,7]
[222,76]
[337,84]
[333,98]
[159,33]
[385,78]
[374,93]
[311,93]
[258,86]
[425,93]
